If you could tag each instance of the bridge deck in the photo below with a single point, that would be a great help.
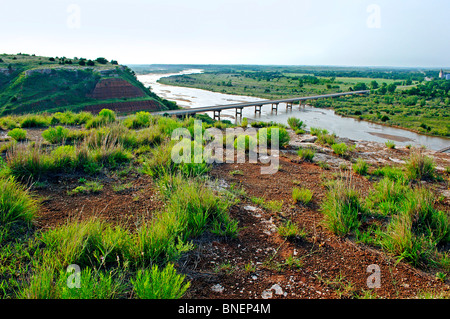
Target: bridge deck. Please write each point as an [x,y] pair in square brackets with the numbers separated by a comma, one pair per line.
[187,111]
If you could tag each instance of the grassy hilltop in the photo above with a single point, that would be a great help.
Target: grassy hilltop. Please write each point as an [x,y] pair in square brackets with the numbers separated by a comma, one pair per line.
[33,84]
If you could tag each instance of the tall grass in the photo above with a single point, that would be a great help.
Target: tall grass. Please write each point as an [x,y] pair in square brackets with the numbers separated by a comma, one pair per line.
[341,208]
[415,231]
[16,206]
[420,166]
[159,284]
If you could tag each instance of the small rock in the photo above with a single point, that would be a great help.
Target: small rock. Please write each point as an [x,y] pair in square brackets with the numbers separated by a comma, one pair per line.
[217,288]
[266,294]
[250,208]
[277,289]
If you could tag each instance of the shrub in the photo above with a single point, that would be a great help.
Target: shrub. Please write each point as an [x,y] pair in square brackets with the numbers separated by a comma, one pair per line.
[159,284]
[103,118]
[318,131]
[18,134]
[265,134]
[295,124]
[56,135]
[29,121]
[420,166]
[245,142]
[326,139]
[390,144]
[341,208]
[361,167]
[8,123]
[306,154]
[302,195]
[340,149]
[139,120]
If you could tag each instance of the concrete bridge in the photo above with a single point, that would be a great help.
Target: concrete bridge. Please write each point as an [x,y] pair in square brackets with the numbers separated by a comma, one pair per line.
[217,109]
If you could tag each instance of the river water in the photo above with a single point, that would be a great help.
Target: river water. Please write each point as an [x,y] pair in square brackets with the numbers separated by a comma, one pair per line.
[312,117]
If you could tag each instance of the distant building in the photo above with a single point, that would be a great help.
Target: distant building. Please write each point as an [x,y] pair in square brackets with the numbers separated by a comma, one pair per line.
[443,75]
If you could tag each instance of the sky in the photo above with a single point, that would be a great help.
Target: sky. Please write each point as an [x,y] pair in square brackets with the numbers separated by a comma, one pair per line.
[403,33]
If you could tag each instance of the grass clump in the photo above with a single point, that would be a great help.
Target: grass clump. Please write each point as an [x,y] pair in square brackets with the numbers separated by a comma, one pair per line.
[297,125]
[103,118]
[90,187]
[139,120]
[265,134]
[56,135]
[159,284]
[390,144]
[18,134]
[341,208]
[33,120]
[290,230]
[306,154]
[361,167]
[302,195]
[420,166]
[17,206]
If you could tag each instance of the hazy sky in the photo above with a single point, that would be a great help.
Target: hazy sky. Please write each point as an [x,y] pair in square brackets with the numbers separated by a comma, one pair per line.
[302,32]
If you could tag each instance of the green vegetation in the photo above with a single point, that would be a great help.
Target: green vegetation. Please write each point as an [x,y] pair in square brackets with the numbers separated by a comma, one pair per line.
[420,166]
[156,284]
[115,261]
[341,208]
[399,97]
[290,230]
[361,167]
[18,134]
[36,84]
[302,195]
[390,144]
[306,154]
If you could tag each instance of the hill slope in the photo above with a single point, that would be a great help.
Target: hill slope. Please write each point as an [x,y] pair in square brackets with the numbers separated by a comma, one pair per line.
[32,84]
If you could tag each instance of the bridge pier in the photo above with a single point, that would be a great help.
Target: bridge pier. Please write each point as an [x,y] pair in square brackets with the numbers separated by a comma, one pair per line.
[217,115]
[239,112]
[275,107]
[258,109]
[289,105]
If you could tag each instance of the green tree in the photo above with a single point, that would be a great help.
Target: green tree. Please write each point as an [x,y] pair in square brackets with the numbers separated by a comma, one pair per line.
[391,88]
[374,85]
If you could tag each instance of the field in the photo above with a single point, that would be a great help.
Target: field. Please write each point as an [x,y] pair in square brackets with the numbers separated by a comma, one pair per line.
[92,206]
[399,98]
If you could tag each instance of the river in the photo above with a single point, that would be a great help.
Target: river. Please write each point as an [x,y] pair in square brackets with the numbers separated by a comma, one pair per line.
[313,117]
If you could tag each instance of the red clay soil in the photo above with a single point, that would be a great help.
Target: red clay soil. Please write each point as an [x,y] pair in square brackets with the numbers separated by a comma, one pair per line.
[115,88]
[331,267]
[127,206]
